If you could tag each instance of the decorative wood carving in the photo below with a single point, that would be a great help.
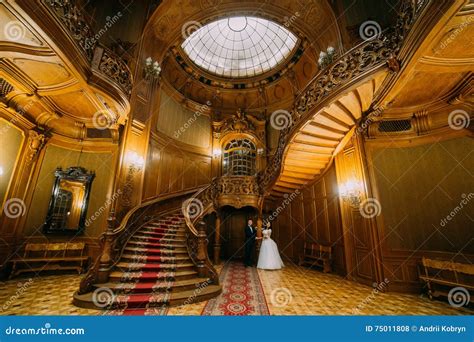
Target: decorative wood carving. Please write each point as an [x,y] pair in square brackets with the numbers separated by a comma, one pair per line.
[240,122]
[348,69]
[114,67]
[75,22]
[237,191]
[104,60]
[36,142]
[129,185]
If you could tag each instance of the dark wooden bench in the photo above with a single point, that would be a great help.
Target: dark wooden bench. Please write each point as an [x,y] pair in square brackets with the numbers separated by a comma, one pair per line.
[316,254]
[442,275]
[50,256]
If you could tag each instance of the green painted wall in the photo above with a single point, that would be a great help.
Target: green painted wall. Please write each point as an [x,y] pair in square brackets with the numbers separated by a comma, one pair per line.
[101,163]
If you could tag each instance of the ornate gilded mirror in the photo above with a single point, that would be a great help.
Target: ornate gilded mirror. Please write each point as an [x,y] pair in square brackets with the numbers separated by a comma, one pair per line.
[69,201]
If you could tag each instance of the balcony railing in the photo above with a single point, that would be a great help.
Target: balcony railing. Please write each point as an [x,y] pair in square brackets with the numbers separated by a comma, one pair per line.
[74,21]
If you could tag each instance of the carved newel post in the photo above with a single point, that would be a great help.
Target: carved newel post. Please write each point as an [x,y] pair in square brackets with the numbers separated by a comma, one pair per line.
[201,249]
[217,244]
[106,256]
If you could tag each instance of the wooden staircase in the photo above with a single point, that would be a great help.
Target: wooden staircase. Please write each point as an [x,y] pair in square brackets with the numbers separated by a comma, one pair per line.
[154,270]
[312,148]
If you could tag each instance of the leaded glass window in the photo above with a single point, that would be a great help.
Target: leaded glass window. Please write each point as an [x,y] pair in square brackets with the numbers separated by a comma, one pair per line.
[239,158]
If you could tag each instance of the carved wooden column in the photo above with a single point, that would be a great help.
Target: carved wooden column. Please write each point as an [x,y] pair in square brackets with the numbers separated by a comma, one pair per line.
[107,247]
[217,241]
[201,249]
[259,229]
[259,224]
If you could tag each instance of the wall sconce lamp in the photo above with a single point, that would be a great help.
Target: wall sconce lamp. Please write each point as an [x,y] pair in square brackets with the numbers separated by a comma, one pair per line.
[152,69]
[350,192]
[217,152]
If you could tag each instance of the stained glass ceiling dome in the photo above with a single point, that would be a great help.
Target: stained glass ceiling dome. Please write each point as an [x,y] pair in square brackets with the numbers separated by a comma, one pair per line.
[239,46]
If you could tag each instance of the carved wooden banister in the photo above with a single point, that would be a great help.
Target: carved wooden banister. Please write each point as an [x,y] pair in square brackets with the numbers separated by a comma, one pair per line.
[347,70]
[101,59]
[194,209]
[113,240]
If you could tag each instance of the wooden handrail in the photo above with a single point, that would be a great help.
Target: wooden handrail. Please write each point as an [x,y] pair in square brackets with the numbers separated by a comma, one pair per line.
[194,209]
[344,72]
[113,240]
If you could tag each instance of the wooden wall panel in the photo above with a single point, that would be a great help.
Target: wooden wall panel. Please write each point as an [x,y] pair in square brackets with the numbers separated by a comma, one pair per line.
[419,183]
[173,168]
[360,251]
[312,216]
[178,122]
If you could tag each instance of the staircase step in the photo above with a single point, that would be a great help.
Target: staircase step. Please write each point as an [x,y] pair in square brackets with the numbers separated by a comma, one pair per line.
[156,258]
[172,298]
[147,244]
[153,287]
[137,300]
[162,230]
[157,251]
[150,276]
[153,267]
[163,225]
[145,238]
[154,271]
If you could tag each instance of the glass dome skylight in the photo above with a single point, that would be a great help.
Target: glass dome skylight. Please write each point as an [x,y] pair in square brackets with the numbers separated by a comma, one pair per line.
[239,46]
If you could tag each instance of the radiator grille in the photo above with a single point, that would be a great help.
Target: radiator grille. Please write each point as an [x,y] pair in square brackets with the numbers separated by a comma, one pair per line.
[395,126]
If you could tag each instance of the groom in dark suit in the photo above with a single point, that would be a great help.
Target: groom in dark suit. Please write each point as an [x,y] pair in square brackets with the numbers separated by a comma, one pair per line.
[250,237]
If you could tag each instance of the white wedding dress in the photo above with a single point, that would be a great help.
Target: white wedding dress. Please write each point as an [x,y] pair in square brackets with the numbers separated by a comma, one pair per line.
[269,257]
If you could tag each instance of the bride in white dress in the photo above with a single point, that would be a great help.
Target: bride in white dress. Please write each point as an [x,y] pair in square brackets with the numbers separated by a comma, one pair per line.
[269,257]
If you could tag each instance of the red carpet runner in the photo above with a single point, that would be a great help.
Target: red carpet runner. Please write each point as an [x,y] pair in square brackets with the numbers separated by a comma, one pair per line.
[242,293]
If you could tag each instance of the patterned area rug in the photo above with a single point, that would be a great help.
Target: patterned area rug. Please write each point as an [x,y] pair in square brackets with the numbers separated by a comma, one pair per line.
[242,293]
